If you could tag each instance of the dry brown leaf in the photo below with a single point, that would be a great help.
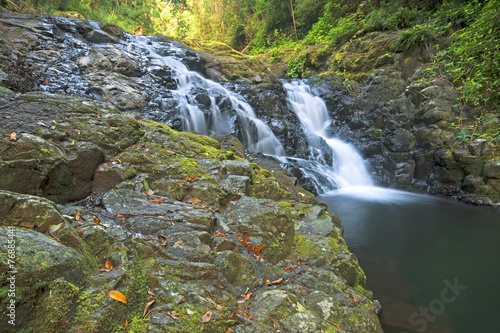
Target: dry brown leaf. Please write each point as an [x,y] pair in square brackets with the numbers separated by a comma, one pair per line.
[13,136]
[180,300]
[270,205]
[146,309]
[170,152]
[78,216]
[202,298]
[206,317]
[280,280]
[178,243]
[242,319]
[266,281]
[126,321]
[163,240]
[151,294]
[118,296]
[193,201]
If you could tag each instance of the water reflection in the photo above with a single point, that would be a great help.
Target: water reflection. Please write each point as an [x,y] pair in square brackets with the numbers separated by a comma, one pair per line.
[413,247]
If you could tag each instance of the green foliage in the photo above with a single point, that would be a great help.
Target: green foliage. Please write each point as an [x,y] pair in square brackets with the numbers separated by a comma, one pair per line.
[472,60]
[297,67]
[424,33]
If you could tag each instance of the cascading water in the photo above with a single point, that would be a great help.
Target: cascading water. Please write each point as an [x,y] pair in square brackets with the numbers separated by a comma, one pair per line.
[255,135]
[348,167]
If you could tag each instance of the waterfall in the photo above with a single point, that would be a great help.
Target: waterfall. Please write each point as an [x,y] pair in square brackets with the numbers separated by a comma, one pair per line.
[192,89]
[349,168]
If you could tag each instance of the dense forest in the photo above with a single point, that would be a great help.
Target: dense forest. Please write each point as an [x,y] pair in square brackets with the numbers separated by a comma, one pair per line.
[462,36]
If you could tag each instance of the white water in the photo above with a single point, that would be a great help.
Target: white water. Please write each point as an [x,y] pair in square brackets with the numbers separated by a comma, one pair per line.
[349,169]
[255,135]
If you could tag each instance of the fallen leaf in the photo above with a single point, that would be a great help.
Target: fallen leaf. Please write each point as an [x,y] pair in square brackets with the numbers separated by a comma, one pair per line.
[158,201]
[355,298]
[182,315]
[191,179]
[246,297]
[170,152]
[151,294]
[172,315]
[243,319]
[149,192]
[108,265]
[270,205]
[163,240]
[180,300]
[266,281]
[40,123]
[13,136]
[193,201]
[146,185]
[280,280]
[78,216]
[118,296]
[126,321]
[97,221]
[147,308]
[119,215]
[206,317]
[202,298]
[178,243]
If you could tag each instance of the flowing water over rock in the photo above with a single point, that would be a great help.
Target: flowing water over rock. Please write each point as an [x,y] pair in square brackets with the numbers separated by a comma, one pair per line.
[347,167]
[161,79]
[146,74]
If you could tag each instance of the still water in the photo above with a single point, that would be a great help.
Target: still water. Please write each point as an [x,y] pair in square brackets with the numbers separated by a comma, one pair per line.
[433,263]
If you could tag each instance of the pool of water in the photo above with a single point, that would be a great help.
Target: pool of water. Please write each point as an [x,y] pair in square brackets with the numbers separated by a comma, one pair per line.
[433,263]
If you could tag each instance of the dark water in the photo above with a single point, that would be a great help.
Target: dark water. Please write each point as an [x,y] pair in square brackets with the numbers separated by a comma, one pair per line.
[433,263]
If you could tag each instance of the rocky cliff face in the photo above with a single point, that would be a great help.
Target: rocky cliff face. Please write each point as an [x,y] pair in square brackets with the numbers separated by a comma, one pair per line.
[195,235]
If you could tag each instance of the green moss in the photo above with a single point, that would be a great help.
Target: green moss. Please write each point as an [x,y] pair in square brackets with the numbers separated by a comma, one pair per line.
[88,305]
[58,304]
[218,324]
[305,247]
[360,289]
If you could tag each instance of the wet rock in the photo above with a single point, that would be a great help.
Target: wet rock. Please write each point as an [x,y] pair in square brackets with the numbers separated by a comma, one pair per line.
[405,172]
[92,32]
[118,89]
[402,140]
